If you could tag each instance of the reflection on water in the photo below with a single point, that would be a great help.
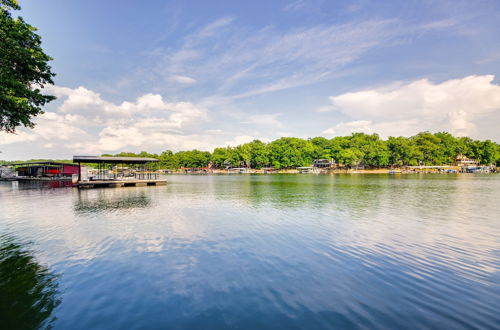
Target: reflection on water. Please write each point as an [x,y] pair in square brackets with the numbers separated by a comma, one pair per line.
[277,251]
[290,191]
[39,184]
[94,200]
[28,290]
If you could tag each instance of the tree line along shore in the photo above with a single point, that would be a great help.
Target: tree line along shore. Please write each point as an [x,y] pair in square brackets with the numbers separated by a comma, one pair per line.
[368,150]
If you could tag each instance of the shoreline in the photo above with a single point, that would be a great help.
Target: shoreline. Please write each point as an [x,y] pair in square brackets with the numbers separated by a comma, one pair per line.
[331,171]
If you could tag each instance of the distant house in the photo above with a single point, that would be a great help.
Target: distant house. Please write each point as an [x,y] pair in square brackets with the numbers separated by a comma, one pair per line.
[462,160]
[324,163]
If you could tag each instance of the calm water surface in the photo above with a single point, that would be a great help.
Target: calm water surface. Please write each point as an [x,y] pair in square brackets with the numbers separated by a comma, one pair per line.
[255,252]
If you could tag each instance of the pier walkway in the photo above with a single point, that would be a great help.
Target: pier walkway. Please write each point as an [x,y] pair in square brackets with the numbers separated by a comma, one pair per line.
[120,183]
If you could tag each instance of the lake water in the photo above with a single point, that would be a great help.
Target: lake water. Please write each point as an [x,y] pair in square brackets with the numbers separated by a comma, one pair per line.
[255,252]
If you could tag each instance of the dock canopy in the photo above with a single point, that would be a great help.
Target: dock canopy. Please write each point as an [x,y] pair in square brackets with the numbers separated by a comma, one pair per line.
[146,170]
[113,160]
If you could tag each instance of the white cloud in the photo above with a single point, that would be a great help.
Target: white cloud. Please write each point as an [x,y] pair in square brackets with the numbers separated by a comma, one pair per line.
[87,123]
[329,131]
[51,126]
[456,105]
[88,106]
[183,79]
[20,136]
[459,123]
[82,100]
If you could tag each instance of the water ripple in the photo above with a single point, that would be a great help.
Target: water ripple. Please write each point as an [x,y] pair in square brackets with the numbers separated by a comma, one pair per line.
[280,252]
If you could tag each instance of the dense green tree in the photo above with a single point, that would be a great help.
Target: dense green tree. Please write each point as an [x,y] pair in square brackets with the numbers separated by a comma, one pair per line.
[374,150]
[289,152]
[430,150]
[168,160]
[337,144]
[24,71]
[244,153]
[359,148]
[350,157]
[322,148]
[402,151]
[225,157]
[450,147]
[497,161]
[259,154]
[489,152]
[193,158]
[474,149]
[463,145]
[219,156]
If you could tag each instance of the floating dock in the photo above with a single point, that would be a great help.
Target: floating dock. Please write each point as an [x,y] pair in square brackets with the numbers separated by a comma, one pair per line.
[120,183]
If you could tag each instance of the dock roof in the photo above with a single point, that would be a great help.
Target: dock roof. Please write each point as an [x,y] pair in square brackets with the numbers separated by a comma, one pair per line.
[113,160]
[46,163]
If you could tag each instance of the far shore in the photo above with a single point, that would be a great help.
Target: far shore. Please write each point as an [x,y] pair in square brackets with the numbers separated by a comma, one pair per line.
[451,170]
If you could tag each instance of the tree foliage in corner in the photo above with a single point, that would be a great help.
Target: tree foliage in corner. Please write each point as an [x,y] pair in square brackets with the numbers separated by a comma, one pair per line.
[24,71]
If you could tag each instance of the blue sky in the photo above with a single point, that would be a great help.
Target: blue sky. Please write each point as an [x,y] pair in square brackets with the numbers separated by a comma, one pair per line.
[158,75]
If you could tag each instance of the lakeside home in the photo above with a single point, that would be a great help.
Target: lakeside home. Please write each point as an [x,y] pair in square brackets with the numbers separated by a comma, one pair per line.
[323,163]
[462,160]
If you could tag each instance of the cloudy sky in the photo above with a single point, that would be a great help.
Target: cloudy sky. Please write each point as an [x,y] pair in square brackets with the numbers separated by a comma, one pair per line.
[155,75]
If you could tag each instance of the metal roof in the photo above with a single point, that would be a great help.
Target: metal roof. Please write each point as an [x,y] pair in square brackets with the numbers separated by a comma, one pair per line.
[39,163]
[113,160]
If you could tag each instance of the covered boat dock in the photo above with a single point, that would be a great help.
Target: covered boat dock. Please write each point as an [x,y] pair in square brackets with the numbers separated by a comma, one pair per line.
[43,170]
[143,172]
